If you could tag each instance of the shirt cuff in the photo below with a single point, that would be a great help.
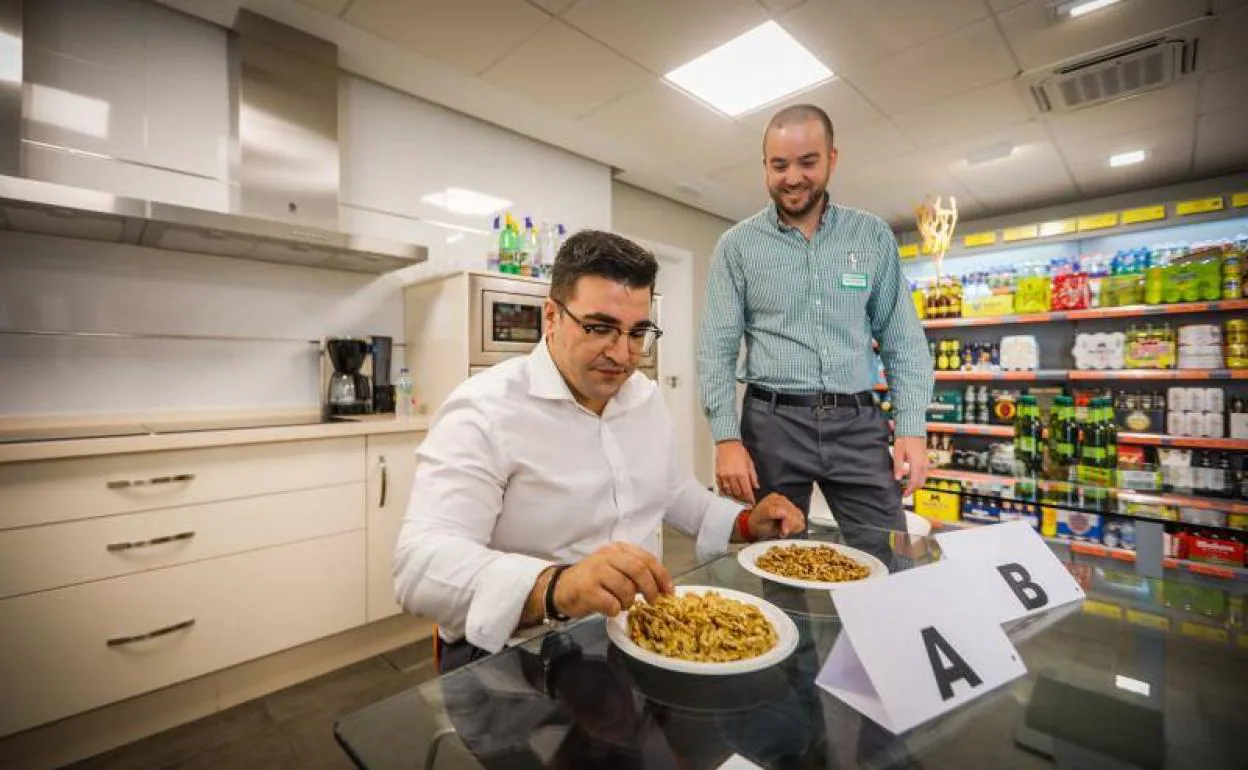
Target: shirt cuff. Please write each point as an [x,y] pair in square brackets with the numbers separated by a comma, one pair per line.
[725,428]
[716,529]
[502,589]
[910,424]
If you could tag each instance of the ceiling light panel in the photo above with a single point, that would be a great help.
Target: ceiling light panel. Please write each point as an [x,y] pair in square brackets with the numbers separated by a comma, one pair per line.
[1127,158]
[1073,9]
[758,68]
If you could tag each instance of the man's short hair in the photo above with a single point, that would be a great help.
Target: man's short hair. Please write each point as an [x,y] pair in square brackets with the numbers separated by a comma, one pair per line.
[607,255]
[799,113]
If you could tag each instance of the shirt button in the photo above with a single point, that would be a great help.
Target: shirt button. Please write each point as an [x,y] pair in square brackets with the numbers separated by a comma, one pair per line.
[824,351]
[818,302]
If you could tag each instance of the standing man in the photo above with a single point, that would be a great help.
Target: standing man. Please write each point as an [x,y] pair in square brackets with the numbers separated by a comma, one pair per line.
[808,284]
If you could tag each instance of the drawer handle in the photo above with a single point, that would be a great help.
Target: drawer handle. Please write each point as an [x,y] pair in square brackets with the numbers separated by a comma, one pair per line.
[381,462]
[123,640]
[147,543]
[150,482]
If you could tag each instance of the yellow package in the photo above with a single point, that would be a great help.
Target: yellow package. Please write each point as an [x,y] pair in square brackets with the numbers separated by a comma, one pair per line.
[1034,294]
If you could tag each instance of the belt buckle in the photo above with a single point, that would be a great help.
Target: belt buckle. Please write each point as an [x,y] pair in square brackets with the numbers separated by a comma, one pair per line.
[827,401]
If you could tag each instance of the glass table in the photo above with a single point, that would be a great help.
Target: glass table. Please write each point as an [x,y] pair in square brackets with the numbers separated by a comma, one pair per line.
[1144,673]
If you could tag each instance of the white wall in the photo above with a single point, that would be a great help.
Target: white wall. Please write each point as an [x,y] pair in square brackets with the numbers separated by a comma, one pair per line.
[646,215]
[129,57]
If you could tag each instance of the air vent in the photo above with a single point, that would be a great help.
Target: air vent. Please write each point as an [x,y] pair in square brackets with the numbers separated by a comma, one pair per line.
[1143,65]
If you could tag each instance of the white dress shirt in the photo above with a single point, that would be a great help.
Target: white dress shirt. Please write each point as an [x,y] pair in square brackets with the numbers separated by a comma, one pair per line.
[515,475]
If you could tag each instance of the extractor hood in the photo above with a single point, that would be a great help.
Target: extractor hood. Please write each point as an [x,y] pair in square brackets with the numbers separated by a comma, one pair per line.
[284,205]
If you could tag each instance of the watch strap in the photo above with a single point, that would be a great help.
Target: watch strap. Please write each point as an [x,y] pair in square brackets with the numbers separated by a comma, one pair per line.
[552,613]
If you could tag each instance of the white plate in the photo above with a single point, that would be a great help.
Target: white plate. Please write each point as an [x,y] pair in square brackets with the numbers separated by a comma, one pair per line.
[786,642]
[749,555]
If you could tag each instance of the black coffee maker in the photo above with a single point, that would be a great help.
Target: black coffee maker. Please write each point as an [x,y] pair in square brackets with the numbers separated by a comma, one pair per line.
[349,391]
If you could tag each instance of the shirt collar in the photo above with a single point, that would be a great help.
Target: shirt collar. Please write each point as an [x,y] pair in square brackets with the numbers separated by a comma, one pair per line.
[773,213]
[546,382]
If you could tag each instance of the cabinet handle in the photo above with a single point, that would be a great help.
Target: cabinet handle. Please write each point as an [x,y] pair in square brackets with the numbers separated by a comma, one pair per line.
[126,484]
[154,541]
[123,640]
[381,462]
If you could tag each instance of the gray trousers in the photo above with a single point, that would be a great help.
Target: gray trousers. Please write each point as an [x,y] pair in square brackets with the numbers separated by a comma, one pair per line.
[844,450]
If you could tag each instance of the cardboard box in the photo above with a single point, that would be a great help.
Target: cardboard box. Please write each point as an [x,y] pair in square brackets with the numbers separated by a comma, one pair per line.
[938,505]
[1214,550]
[983,307]
[1076,525]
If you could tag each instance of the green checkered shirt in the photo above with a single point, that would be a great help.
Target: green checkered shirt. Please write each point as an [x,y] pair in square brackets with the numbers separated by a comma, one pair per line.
[808,312]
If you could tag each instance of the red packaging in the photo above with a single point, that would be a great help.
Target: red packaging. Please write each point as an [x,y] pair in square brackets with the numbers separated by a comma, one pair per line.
[1213,550]
[1071,292]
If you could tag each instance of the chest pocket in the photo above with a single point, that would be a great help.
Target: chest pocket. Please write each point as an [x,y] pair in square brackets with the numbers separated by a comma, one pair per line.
[852,274]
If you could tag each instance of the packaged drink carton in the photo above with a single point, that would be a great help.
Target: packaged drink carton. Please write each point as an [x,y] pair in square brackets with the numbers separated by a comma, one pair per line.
[1076,525]
[1071,292]
[1212,550]
[1033,294]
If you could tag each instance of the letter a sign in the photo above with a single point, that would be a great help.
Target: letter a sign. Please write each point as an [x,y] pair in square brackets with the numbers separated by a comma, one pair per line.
[907,653]
[1012,567]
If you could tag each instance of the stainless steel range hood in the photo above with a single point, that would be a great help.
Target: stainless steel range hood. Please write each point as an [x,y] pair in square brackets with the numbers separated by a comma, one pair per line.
[284,205]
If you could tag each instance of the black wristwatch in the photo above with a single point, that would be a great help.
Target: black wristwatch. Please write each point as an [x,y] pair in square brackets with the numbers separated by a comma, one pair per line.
[552,613]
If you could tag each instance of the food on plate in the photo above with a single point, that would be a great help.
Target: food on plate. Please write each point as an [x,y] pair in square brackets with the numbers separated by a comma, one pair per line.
[821,563]
[703,627]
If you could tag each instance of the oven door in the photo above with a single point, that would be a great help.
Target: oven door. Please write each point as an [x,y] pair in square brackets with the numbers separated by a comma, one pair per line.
[506,318]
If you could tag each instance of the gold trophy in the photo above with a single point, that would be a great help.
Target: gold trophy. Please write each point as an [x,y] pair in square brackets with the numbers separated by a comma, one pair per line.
[936,227]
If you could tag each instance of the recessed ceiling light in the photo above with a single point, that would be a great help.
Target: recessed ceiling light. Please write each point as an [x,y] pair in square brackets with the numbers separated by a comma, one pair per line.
[761,66]
[1126,158]
[467,202]
[1132,685]
[1073,9]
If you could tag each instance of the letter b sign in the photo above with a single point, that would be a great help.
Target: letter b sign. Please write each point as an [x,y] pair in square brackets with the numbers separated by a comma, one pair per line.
[1028,591]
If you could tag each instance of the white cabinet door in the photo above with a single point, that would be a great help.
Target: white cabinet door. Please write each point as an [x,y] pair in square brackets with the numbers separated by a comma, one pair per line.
[391,470]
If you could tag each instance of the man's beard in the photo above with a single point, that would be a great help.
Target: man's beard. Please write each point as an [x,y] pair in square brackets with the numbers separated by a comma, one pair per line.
[815,199]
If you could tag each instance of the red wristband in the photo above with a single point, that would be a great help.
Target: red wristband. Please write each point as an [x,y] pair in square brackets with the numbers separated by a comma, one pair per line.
[743,526]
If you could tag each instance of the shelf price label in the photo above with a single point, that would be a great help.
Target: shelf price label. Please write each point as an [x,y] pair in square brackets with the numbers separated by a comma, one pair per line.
[909,251]
[1020,233]
[1143,214]
[1098,221]
[1058,227]
[1239,200]
[1198,206]
[1148,620]
[986,238]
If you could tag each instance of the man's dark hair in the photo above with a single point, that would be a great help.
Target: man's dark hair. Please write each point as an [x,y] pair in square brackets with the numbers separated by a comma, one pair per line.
[610,256]
[799,113]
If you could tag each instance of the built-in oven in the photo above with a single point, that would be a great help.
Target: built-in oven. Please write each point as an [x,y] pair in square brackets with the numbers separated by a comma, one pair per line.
[506,320]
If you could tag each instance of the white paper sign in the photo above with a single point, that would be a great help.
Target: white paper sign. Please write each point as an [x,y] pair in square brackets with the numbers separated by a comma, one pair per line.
[908,653]
[1013,569]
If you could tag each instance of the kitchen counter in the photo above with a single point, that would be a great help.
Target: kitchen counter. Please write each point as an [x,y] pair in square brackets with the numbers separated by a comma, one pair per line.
[191,436]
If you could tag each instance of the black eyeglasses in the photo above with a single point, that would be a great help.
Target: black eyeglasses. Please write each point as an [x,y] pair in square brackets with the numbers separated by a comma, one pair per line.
[642,337]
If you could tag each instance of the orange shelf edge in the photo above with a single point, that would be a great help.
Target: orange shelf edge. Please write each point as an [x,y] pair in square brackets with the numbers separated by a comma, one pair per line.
[1129,311]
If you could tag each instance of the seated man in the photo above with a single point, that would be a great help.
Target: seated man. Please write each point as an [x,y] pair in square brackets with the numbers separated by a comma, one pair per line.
[544,482]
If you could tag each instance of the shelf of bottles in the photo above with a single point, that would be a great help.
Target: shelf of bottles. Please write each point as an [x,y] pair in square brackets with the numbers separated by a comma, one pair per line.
[1065,422]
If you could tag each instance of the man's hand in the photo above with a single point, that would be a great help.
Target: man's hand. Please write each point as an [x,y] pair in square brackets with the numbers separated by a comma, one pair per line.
[910,459]
[734,471]
[609,579]
[775,517]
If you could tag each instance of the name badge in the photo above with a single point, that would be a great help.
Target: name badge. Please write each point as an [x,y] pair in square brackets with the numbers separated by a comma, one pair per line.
[856,281]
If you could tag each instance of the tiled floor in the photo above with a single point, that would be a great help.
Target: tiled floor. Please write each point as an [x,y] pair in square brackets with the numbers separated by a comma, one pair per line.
[293,728]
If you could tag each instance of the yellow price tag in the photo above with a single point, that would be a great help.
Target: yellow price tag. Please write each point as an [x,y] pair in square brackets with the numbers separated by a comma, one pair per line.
[909,251]
[1148,620]
[1102,609]
[1020,233]
[1143,214]
[1199,206]
[1098,221]
[1209,633]
[1058,227]
[986,238]
[1239,200]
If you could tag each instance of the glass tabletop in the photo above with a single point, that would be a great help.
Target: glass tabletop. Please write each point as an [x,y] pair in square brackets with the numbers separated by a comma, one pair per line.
[1144,673]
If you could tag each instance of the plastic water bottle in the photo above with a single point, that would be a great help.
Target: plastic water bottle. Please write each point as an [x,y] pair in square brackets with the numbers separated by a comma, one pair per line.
[403,393]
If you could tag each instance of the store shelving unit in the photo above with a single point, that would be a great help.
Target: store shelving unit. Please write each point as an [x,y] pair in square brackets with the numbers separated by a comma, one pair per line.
[1128,311]
[1094,375]
[1138,439]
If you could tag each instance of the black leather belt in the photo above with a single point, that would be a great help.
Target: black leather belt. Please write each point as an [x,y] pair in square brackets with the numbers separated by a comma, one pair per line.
[821,400]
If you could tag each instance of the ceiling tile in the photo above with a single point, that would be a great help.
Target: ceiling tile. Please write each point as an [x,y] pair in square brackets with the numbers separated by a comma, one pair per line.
[838,98]
[1005,5]
[661,35]
[665,122]
[1038,40]
[780,6]
[538,71]
[554,6]
[985,109]
[1220,143]
[331,7]
[970,58]
[1033,175]
[850,34]
[1169,149]
[866,144]
[1152,108]
[1229,33]
[469,35]
[747,177]
[1224,89]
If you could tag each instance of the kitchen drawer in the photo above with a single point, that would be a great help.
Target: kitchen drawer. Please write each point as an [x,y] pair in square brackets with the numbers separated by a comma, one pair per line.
[58,555]
[55,659]
[63,490]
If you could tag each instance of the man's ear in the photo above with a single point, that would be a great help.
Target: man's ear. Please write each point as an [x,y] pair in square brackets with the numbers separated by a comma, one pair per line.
[832,156]
[550,314]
